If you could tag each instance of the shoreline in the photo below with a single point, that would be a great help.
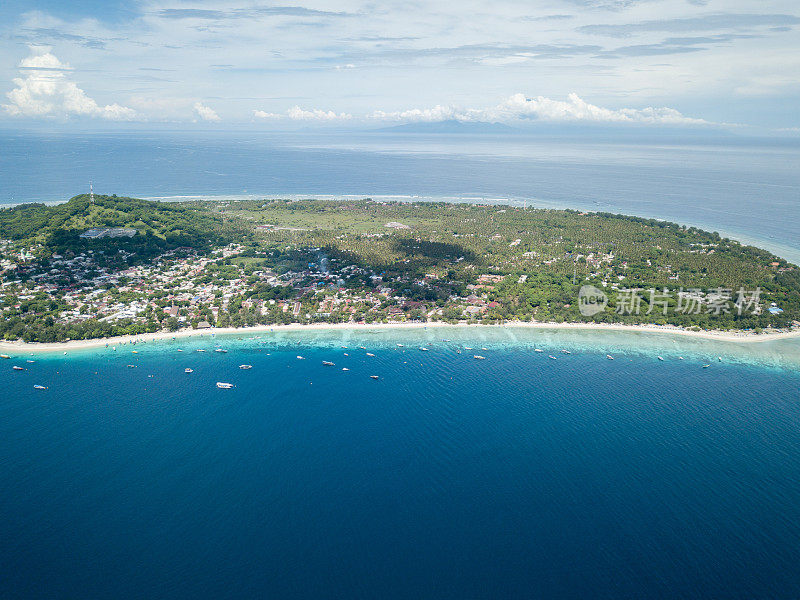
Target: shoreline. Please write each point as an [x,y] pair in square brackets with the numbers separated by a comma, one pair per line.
[736,337]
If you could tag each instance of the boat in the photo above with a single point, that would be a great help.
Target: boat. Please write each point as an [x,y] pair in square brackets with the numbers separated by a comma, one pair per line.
[552,357]
[224,386]
[199,350]
[538,350]
[399,345]
[345,369]
[4,356]
[188,370]
[719,358]
[467,348]
[346,354]
[423,349]
[328,363]
[131,366]
[370,354]
[484,348]
[39,387]
[609,357]
[706,366]
[245,367]
[479,357]
[220,350]
[16,368]
[566,352]
[660,358]
[134,352]
[30,361]
[363,347]
[373,376]
[680,358]
[300,357]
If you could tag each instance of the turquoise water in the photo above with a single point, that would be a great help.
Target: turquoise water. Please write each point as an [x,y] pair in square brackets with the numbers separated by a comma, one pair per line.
[516,476]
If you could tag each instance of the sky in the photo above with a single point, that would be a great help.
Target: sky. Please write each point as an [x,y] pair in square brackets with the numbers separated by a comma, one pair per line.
[714,64]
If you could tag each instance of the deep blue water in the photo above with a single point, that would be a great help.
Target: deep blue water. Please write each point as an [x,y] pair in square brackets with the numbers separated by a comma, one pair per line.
[513,477]
[747,189]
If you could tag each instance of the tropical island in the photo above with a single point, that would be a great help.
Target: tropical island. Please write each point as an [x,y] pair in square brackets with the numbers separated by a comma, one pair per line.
[102,266]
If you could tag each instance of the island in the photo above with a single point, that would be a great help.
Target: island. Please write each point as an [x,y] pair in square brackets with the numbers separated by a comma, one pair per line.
[102,266]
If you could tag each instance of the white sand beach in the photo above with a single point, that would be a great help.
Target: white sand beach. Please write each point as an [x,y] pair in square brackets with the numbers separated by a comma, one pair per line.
[739,337]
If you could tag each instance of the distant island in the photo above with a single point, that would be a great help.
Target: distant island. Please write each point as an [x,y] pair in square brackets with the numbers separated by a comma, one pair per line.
[110,266]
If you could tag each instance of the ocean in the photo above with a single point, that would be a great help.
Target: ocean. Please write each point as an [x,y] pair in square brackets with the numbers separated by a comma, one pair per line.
[744,188]
[517,476]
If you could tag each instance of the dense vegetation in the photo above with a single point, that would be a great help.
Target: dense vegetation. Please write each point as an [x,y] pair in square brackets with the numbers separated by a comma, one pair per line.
[434,259]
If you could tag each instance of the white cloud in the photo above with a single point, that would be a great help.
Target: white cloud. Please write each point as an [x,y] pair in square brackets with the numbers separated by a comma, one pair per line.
[519,107]
[299,114]
[44,89]
[206,113]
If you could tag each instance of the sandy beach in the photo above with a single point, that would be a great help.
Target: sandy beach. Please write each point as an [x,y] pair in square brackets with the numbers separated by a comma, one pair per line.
[739,337]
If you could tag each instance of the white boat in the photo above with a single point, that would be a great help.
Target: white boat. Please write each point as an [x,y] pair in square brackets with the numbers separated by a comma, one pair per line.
[346,354]
[479,357]
[423,349]
[30,361]
[345,369]
[363,347]
[132,366]
[188,370]
[538,350]
[300,357]
[370,354]
[467,348]
[552,357]
[224,386]
[4,356]
[706,366]
[39,387]
[199,350]
[16,368]
[373,376]
[220,350]
[660,358]
[566,352]
[609,357]
[399,345]
[328,363]
[245,367]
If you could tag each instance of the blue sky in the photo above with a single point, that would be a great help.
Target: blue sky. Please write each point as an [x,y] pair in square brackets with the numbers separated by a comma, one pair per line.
[729,64]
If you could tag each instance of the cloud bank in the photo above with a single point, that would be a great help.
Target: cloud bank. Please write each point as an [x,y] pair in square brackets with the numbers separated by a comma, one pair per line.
[44,89]
[517,108]
[205,113]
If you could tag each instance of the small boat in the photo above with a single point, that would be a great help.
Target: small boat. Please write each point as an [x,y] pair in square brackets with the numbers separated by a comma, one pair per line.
[220,350]
[245,367]
[609,357]
[30,361]
[660,358]
[188,370]
[199,350]
[134,352]
[399,345]
[363,347]
[538,350]
[467,348]
[4,356]
[39,387]
[345,369]
[423,349]
[370,354]
[180,350]
[131,366]
[566,352]
[719,358]
[16,368]
[300,357]
[224,386]
[346,354]
[552,357]
[373,376]
[484,348]
[479,357]
[706,366]
[328,363]
[680,358]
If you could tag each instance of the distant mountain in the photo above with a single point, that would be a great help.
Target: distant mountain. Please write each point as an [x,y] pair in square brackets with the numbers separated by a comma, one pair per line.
[452,126]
